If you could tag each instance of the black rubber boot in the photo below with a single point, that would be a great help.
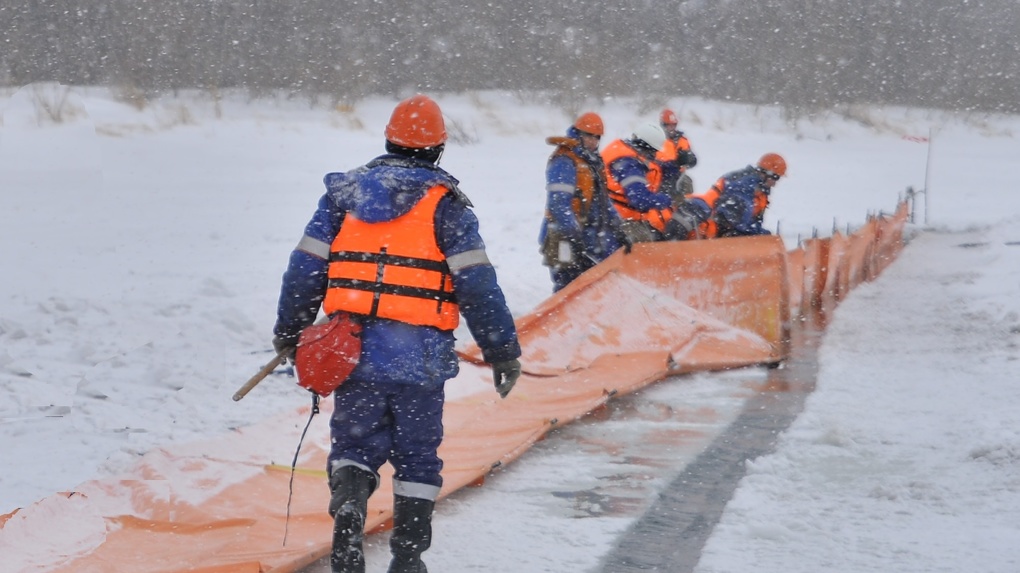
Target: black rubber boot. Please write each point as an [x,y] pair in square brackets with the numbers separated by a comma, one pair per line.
[350,486]
[412,533]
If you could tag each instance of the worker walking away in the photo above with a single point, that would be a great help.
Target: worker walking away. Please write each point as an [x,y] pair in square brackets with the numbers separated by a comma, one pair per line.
[634,177]
[395,244]
[580,227]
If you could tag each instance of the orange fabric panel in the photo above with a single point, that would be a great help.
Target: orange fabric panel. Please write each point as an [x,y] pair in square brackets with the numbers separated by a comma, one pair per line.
[889,238]
[835,265]
[6,516]
[795,274]
[834,288]
[613,313]
[856,263]
[816,262]
[741,281]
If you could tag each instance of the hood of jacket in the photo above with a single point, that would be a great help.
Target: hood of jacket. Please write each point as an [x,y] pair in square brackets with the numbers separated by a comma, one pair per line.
[387,187]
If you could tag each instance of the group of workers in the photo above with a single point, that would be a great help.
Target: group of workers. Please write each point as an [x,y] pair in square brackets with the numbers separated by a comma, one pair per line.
[394,247]
[638,190]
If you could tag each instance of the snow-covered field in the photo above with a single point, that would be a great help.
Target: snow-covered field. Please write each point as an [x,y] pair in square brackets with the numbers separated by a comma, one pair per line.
[142,250]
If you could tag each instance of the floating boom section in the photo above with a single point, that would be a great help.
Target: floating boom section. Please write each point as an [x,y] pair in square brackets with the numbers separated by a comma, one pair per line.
[740,283]
[612,313]
[222,505]
[823,271]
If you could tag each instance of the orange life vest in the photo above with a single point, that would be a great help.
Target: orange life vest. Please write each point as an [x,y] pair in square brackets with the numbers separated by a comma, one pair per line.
[761,202]
[672,148]
[584,189]
[657,218]
[708,229]
[667,153]
[393,269]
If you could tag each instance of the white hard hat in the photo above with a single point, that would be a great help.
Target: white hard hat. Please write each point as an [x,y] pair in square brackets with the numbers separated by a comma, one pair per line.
[651,134]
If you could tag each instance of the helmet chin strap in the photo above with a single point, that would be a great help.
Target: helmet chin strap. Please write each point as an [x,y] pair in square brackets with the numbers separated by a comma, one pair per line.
[441,152]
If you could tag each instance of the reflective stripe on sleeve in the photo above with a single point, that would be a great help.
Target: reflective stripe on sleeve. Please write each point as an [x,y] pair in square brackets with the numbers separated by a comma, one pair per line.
[313,247]
[467,259]
[634,179]
[561,187]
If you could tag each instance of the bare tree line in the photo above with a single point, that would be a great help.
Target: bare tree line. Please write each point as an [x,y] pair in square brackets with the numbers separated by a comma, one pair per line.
[801,54]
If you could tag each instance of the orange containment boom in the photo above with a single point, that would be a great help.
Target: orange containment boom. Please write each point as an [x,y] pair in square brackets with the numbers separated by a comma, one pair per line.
[823,271]
[221,505]
[739,282]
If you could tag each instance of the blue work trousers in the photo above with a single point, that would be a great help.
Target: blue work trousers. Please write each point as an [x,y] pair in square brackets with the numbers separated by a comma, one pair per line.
[401,423]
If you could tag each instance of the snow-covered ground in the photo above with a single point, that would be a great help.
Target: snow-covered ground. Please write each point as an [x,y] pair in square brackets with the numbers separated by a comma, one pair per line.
[142,250]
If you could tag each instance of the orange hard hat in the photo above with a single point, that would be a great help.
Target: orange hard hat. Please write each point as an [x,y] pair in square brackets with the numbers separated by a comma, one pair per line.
[667,117]
[590,122]
[773,163]
[416,123]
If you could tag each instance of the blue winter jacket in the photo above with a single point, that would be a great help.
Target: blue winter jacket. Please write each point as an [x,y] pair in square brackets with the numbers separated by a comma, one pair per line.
[600,236]
[734,210]
[632,175]
[393,351]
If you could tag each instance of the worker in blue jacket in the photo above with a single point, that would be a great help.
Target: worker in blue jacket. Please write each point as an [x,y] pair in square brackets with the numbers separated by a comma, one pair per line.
[581,228]
[745,195]
[395,244]
[633,177]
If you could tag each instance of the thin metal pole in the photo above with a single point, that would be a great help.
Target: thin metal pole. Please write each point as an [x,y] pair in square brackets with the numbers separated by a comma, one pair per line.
[927,174]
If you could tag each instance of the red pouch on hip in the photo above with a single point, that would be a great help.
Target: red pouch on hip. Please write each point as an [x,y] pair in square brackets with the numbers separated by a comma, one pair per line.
[327,353]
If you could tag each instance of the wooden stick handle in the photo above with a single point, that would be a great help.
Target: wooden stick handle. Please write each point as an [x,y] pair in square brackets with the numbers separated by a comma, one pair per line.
[254,380]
